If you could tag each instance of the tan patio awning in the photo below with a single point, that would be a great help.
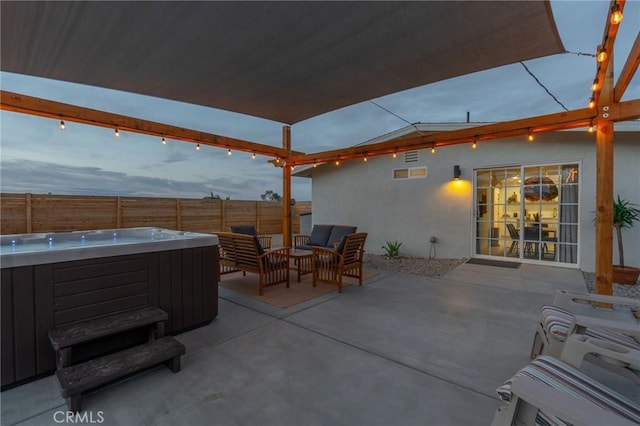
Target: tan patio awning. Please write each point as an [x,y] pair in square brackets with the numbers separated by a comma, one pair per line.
[284,61]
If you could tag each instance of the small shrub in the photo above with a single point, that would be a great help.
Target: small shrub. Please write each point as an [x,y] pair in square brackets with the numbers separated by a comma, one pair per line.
[392,248]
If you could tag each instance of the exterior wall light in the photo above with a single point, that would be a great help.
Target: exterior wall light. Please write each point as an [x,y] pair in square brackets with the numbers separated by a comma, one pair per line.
[456,172]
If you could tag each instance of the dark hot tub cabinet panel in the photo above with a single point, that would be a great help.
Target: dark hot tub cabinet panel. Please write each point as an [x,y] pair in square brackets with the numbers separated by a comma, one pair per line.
[39,297]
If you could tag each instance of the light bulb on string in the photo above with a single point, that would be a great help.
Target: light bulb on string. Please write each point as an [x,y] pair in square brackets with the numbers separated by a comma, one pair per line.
[164,141]
[592,102]
[602,55]
[591,128]
[197,147]
[433,149]
[616,15]
[253,155]
[229,151]
[530,136]
[117,133]
[62,125]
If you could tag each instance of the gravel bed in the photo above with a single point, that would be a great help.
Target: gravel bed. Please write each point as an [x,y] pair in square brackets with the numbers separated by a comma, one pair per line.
[632,291]
[412,265]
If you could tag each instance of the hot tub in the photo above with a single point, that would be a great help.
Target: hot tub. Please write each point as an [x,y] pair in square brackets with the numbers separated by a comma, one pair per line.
[31,249]
[54,279]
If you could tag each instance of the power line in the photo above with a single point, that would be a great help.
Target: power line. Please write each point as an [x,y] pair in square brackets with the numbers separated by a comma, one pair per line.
[396,115]
[543,86]
[593,55]
[525,67]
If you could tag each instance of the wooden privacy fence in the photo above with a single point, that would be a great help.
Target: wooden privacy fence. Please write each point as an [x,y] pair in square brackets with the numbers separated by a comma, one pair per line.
[26,213]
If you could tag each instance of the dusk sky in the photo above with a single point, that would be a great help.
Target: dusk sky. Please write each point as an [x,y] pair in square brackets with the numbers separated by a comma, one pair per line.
[38,157]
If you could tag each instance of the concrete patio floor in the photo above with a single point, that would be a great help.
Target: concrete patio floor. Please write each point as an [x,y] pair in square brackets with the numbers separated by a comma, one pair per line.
[402,350]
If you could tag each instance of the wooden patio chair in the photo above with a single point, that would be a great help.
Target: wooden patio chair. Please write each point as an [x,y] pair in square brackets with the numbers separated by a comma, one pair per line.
[241,252]
[265,240]
[330,266]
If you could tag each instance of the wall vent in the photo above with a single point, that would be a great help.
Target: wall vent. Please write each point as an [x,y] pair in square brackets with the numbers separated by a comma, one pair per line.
[411,157]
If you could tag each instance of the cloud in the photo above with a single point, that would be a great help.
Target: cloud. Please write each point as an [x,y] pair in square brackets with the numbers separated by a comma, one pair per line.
[45,177]
[175,157]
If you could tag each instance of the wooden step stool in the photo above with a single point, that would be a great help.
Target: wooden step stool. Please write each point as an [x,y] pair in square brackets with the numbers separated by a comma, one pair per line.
[75,379]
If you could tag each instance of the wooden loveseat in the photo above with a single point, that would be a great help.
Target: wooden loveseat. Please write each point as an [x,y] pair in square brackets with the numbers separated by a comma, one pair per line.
[328,236]
[241,252]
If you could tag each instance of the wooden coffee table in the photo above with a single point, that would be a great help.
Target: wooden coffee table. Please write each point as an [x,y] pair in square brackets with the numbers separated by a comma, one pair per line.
[302,261]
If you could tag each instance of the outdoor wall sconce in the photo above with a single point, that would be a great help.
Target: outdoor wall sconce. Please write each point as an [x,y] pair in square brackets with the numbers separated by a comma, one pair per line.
[456,172]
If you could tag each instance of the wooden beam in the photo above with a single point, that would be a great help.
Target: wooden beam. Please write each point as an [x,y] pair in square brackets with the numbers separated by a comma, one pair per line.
[608,41]
[286,190]
[71,113]
[604,191]
[544,123]
[621,111]
[628,71]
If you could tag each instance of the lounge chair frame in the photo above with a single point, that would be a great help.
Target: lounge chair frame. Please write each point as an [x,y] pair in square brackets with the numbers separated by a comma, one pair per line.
[618,335]
[550,388]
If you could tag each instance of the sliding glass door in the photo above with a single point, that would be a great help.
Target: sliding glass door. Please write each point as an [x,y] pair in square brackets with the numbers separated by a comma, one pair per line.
[528,212]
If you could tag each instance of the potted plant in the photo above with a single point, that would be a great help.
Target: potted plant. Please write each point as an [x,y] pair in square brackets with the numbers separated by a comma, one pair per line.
[624,216]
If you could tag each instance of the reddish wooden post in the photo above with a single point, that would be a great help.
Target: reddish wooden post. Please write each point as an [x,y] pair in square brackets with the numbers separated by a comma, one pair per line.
[286,190]
[604,187]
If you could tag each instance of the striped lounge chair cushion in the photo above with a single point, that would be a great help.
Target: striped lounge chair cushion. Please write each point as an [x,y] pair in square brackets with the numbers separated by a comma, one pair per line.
[556,322]
[563,377]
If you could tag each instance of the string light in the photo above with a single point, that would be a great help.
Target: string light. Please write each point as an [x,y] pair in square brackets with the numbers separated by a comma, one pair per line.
[602,55]
[590,130]
[253,155]
[278,160]
[229,151]
[314,165]
[117,133]
[337,162]
[365,159]
[530,137]
[197,147]
[616,15]
[594,86]
[164,141]
[62,126]
[474,145]
[592,102]
[433,149]
[394,155]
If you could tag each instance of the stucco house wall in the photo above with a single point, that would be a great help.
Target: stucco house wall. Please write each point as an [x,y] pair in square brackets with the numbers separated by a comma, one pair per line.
[412,210]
